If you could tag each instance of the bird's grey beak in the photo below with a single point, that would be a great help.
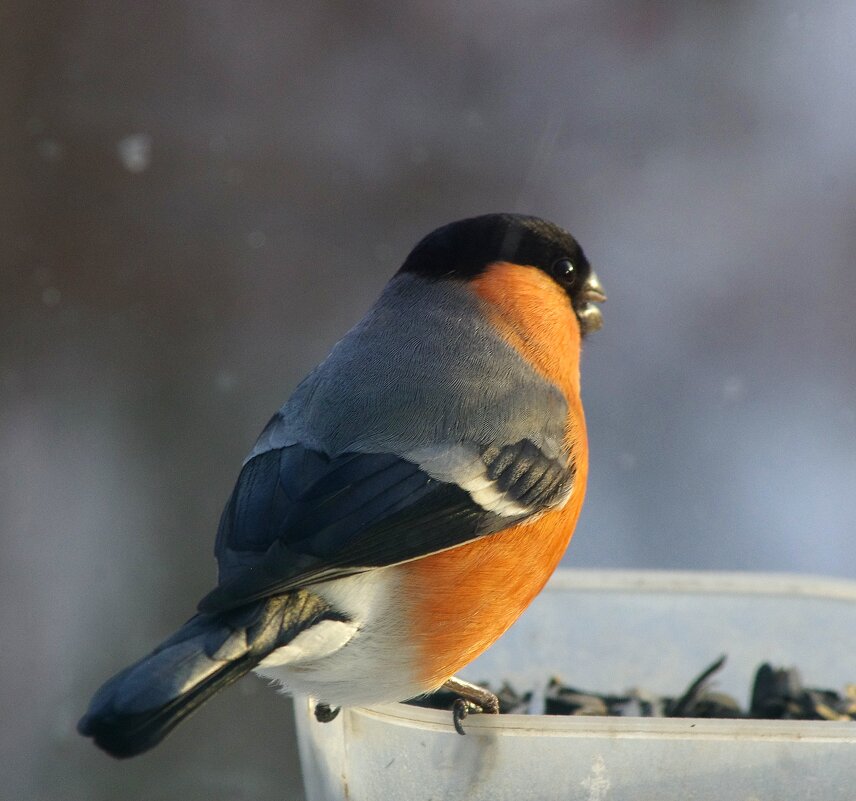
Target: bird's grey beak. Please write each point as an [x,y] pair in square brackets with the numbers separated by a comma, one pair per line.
[588,314]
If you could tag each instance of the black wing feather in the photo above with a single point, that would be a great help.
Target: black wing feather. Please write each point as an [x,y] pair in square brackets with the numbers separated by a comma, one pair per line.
[298,517]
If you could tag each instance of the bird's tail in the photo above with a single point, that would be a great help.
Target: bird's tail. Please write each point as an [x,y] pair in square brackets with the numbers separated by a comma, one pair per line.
[139,706]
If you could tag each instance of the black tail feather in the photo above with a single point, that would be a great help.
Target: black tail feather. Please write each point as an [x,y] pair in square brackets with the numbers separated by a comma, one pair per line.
[127,735]
[142,704]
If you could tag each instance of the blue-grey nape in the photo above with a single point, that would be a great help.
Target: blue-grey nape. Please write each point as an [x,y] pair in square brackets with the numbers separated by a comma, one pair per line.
[424,367]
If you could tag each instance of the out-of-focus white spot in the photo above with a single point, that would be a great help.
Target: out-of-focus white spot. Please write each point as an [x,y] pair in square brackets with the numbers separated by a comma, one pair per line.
[734,388]
[225,381]
[51,296]
[135,151]
[51,150]
[256,239]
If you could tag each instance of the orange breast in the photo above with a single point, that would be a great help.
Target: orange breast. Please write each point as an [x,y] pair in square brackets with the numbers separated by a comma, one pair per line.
[463,599]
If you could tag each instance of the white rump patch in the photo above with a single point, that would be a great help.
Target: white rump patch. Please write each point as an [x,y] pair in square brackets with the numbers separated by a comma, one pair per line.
[320,640]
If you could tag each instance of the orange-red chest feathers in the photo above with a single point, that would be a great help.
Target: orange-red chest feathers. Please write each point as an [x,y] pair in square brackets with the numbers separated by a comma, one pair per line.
[463,599]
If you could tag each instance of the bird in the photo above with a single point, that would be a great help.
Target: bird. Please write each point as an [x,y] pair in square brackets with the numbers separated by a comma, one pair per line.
[406,503]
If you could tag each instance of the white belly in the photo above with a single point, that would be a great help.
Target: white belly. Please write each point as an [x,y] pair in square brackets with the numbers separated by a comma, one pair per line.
[369,659]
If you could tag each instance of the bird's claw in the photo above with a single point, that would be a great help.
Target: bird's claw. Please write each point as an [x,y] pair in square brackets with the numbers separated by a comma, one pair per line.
[460,710]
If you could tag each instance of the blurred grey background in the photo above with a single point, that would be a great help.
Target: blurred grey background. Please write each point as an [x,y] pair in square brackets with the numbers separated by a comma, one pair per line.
[198,198]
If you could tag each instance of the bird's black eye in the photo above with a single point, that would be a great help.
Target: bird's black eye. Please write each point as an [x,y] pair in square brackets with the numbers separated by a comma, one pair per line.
[564,271]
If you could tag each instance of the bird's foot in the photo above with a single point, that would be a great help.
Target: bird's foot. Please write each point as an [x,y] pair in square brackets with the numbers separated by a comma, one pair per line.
[471,698]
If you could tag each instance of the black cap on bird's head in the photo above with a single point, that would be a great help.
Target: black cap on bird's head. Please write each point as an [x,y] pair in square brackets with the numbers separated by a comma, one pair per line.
[463,250]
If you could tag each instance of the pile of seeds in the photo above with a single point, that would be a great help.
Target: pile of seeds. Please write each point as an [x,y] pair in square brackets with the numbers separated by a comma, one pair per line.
[777,694]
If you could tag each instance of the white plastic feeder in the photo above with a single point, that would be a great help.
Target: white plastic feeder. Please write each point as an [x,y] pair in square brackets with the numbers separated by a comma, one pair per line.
[605,632]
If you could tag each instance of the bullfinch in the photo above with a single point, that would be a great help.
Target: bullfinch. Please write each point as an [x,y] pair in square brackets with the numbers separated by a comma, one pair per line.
[408,501]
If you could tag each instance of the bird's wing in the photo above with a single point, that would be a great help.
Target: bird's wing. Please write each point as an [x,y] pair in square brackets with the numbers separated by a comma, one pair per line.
[419,432]
[298,517]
